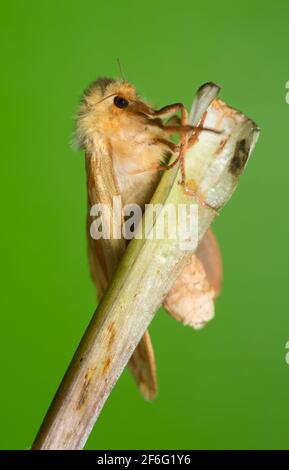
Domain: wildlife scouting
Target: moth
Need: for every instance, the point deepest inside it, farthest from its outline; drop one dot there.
(127, 145)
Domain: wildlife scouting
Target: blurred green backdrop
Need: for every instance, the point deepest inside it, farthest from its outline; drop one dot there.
(220, 388)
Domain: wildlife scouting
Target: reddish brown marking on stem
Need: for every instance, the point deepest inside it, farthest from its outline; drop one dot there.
(221, 146)
(84, 392)
(106, 365)
(111, 327)
(111, 331)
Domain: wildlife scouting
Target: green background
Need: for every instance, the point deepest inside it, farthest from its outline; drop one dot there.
(226, 386)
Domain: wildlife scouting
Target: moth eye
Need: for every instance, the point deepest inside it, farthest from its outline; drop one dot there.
(120, 102)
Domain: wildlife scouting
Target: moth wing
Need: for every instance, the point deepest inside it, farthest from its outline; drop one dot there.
(103, 256)
(191, 298)
(210, 256)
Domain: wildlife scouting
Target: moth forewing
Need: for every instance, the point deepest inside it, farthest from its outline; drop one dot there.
(101, 190)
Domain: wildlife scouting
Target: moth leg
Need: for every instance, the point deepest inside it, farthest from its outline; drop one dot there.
(196, 132)
(171, 127)
(184, 145)
(181, 147)
(173, 121)
(192, 190)
(186, 141)
(183, 141)
(168, 143)
(170, 109)
(188, 134)
(178, 124)
(183, 128)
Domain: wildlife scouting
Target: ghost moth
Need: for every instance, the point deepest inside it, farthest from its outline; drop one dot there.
(127, 145)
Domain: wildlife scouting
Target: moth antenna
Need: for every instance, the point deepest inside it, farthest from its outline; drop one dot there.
(105, 98)
(121, 70)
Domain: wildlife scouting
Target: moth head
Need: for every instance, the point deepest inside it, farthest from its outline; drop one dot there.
(106, 104)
